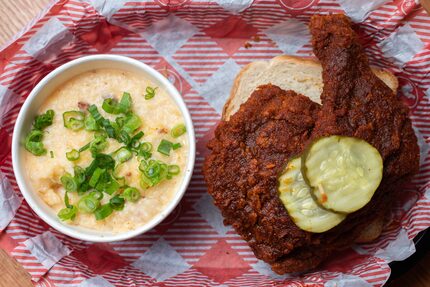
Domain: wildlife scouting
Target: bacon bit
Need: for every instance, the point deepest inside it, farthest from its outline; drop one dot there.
(162, 131)
(247, 45)
(256, 38)
(128, 174)
(270, 165)
(83, 105)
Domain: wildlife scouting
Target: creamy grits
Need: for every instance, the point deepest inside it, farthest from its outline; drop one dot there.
(158, 114)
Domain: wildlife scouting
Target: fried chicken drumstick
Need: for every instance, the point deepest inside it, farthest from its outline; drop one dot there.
(250, 150)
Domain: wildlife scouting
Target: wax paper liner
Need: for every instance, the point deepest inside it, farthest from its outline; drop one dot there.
(200, 47)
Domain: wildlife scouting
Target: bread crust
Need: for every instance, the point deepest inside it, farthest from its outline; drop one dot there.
(229, 108)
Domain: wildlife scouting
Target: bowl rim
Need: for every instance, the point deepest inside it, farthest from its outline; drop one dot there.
(17, 148)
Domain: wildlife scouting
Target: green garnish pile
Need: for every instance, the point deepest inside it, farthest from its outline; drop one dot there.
(33, 141)
(102, 175)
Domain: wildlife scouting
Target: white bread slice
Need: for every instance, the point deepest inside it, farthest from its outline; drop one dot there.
(289, 73)
(304, 77)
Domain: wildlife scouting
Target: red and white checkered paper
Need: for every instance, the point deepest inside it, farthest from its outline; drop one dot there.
(200, 46)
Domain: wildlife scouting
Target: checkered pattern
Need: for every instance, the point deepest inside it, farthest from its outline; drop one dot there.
(199, 47)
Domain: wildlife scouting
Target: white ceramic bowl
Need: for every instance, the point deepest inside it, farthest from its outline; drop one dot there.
(30, 109)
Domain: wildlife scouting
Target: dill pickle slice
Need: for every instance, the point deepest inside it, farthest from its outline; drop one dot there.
(296, 196)
(344, 172)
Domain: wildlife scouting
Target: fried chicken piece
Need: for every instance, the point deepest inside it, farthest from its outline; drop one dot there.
(251, 149)
(357, 103)
(248, 152)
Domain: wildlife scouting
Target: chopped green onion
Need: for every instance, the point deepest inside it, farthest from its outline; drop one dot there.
(88, 204)
(116, 171)
(35, 136)
(33, 143)
(36, 148)
(122, 155)
(44, 120)
(120, 121)
(132, 123)
(150, 93)
(121, 181)
(69, 183)
(125, 103)
(85, 147)
(164, 147)
(155, 171)
(175, 146)
(74, 120)
(146, 146)
(83, 187)
(131, 194)
(116, 128)
(173, 169)
(108, 128)
(101, 134)
(96, 176)
(101, 121)
(68, 213)
(73, 155)
(103, 211)
(124, 137)
(163, 172)
(90, 123)
(51, 153)
(134, 141)
(66, 200)
(146, 182)
(79, 174)
(98, 145)
(145, 154)
(145, 150)
(110, 106)
(96, 195)
(178, 130)
(152, 170)
(105, 161)
(150, 90)
(117, 202)
(111, 186)
(95, 114)
(107, 184)
(142, 166)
